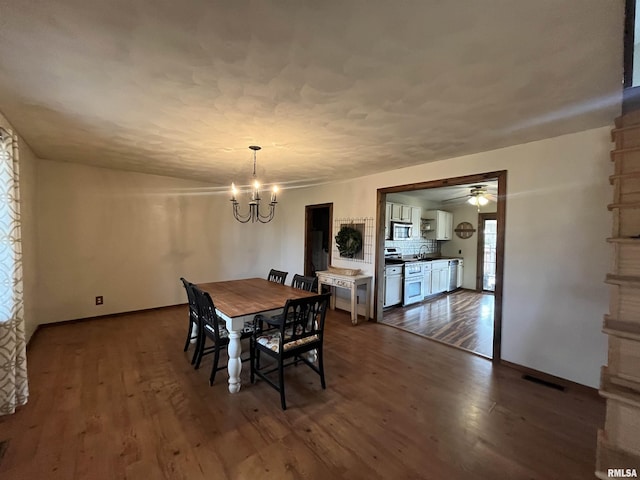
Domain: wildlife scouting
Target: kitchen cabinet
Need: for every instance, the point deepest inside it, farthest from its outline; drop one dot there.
(460, 273)
(397, 212)
(405, 213)
(439, 276)
(416, 213)
(441, 224)
(392, 285)
(426, 284)
(387, 222)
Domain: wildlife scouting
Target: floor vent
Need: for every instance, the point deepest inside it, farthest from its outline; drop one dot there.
(539, 381)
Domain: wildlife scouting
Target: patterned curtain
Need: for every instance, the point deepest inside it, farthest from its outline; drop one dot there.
(14, 389)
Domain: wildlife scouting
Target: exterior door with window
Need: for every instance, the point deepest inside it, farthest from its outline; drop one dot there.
(487, 250)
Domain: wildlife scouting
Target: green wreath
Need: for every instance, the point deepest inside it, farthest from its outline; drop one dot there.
(349, 241)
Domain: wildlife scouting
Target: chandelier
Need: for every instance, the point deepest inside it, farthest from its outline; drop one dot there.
(254, 214)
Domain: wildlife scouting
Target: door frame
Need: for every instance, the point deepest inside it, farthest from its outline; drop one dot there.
(307, 228)
(501, 177)
(480, 260)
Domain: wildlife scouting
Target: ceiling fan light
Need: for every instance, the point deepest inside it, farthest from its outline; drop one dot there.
(482, 200)
(473, 201)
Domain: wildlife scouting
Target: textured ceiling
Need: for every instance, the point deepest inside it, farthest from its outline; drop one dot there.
(329, 89)
(453, 195)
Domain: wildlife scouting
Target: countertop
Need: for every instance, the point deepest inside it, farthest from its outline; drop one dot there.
(411, 258)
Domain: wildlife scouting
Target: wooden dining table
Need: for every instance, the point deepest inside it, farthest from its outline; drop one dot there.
(237, 302)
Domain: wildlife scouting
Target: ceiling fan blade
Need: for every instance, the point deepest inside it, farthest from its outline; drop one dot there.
(455, 198)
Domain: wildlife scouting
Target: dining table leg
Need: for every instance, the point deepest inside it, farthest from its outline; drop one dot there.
(234, 366)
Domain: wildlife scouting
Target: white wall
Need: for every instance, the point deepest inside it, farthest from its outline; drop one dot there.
(129, 237)
(27, 165)
(556, 256)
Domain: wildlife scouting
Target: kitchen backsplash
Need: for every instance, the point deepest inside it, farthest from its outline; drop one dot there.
(412, 247)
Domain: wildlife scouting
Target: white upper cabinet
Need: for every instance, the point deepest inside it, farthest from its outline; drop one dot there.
(405, 215)
(416, 213)
(441, 223)
(387, 222)
(396, 212)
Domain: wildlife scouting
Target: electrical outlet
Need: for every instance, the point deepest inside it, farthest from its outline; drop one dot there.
(99, 300)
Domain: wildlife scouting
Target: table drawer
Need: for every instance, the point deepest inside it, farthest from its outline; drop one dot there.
(335, 281)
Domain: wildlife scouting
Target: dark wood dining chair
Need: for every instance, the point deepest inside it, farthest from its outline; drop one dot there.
(298, 332)
(277, 276)
(193, 329)
(310, 284)
(214, 329)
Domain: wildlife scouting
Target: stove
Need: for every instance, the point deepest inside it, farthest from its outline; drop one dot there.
(392, 256)
(413, 283)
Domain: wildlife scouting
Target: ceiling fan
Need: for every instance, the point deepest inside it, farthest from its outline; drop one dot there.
(478, 196)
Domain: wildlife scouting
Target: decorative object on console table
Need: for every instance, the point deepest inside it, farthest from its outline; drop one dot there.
(364, 225)
(344, 271)
(464, 230)
(350, 282)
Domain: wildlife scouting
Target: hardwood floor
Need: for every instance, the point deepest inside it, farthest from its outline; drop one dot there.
(116, 398)
(462, 318)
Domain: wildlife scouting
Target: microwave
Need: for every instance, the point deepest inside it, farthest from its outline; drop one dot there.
(401, 230)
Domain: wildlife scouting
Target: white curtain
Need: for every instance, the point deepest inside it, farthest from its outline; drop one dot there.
(14, 389)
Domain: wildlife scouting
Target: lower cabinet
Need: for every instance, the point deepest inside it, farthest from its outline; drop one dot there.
(460, 273)
(426, 283)
(439, 276)
(393, 286)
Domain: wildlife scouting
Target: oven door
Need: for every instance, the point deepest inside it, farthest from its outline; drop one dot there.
(413, 292)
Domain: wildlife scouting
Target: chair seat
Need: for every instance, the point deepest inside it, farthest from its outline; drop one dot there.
(272, 341)
(224, 333)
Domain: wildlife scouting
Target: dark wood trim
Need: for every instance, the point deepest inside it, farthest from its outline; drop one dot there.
(501, 177)
(630, 94)
(502, 220)
(378, 292)
(629, 33)
(547, 377)
(445, 182)
(102, 317)
(480, 251)
(307, 229)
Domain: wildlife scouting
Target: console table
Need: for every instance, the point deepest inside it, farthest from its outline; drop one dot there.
(350, 282)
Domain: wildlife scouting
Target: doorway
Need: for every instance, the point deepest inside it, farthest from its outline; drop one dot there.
(487, 252)
(490, 304)
(317, 238)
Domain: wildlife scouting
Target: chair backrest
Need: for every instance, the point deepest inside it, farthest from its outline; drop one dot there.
(303, 317)
(191, 298)
(207, 311)
(277, 276)
(310, 284)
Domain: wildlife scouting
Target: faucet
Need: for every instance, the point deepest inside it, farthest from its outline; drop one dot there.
(423, 255)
